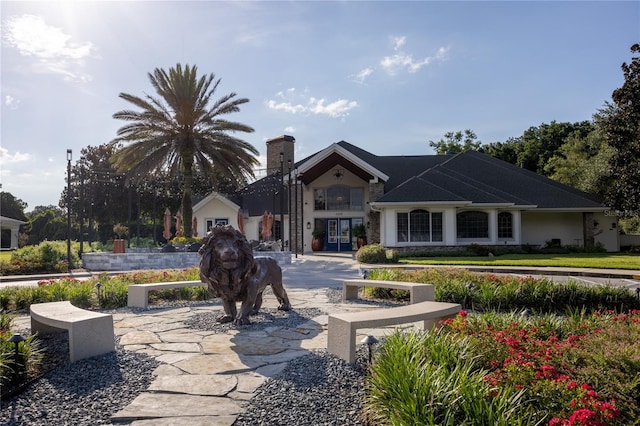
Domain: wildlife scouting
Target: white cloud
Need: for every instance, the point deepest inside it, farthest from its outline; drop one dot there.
(363, 75)
(286, 107)
(293, 103)
(400, 61)
(337, 109)
(398, 42)
(289, 129)
(18, 157)
(404, 61)
(50, 46)
(11, 102)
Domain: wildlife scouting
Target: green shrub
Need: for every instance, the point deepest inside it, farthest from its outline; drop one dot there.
(46, 257)
(478, 250)
(376, 253)
(113, 290)
(185, 240)
(487, 292)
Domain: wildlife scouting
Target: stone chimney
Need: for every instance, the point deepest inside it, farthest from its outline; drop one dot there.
(280, 144)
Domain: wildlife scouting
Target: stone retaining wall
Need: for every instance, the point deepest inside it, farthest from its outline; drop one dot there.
(179, 260)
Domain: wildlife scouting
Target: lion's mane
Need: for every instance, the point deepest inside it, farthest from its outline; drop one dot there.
(223, 281)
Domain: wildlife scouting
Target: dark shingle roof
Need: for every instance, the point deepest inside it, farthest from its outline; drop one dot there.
(466, 177)
(480, 178)
(260, 196)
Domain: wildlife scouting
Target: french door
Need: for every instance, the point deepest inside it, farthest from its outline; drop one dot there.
(339, 234)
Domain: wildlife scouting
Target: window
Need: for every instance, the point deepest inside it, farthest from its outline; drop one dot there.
(319, 199)
(402, 227)
(419, 226)
(338, 197)
(505, 225)
(213, 222)
(473, 224)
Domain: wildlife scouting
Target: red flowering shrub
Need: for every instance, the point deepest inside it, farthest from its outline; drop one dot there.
(555, 359)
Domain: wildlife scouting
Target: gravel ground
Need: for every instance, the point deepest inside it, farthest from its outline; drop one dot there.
(317, 389)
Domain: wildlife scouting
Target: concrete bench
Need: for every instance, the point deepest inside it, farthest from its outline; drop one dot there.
(90, 333)
(342, 327)
(419, 292)
(138, 295)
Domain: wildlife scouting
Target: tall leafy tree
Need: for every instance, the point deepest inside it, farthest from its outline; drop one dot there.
(539, 144)
(456, 142)
(622, 129)
(182, 130)
(12, 207)
(46, 223)
(581, 162)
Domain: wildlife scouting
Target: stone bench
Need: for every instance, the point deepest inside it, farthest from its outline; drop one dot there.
(419, 292)
(342, 327)
(138, 294)
(90, 333)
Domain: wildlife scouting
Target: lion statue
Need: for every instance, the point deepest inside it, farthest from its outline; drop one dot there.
(232, 273)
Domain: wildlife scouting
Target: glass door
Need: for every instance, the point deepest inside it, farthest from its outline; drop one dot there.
(332, 235)
(345, 235)
(339, 236)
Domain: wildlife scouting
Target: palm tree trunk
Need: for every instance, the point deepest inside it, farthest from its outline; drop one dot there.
(187, 208)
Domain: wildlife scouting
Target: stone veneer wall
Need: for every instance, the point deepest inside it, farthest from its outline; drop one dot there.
(137, 261)
(376, 190)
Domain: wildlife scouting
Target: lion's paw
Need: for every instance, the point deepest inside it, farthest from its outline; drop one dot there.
(284, 307)
(224, 319)
(242, 321)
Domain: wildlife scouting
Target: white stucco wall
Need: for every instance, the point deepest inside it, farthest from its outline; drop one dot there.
(215, 209)
(540, 227)
(610, 235)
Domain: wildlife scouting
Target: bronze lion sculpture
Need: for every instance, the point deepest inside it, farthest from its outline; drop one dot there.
(234, 275)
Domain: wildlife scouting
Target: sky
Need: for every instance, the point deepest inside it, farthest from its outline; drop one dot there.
(387, 76)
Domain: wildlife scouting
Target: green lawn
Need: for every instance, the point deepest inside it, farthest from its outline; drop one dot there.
(575, 260)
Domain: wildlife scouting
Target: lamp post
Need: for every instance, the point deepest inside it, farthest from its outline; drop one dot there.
(289, 203)
(295, 173)
(82, 209)
(69, 210)
(282, 201)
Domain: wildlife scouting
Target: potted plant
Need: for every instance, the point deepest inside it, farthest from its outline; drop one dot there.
(121, 231)
(360, 232)
(317, 242)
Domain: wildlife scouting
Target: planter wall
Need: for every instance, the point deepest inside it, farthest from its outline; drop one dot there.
(156, 260)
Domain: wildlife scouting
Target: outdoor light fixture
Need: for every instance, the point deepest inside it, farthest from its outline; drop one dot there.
(16, 339)
(369, 341)
(308, 225)
(98, 287)
(338, 174)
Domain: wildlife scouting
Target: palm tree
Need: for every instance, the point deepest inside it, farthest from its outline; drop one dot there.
(181, 132)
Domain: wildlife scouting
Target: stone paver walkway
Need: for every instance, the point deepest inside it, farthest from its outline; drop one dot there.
(208, 378)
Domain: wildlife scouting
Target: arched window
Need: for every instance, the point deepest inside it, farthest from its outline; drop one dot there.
(505, 225)
(473, 224)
